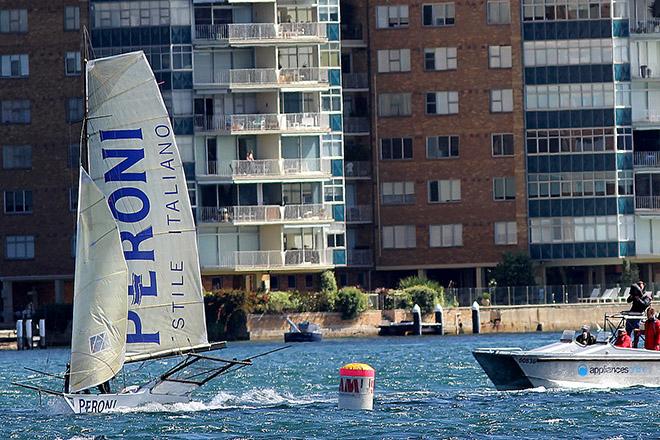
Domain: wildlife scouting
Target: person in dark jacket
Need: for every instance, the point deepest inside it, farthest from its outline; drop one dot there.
(585, 338)
(622, 339)
(640, 301)
(651, 331)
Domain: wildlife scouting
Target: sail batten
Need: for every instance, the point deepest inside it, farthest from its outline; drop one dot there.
(134, 160)
(100, 305)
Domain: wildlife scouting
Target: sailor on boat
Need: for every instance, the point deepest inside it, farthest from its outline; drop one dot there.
(622, 339)
(585, 338)
(651, 331)
(640, 302)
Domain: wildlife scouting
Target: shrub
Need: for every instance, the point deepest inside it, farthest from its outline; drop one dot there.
(424, 296)
(224, 311)
(351, 301)
(327, 297)
(283, 302)
(417, 281)
(398, 299)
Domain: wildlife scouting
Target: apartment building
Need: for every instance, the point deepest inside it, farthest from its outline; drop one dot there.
(41, 106)
(254, 91)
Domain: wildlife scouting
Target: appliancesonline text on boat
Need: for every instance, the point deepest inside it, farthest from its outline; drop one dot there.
(568, 364)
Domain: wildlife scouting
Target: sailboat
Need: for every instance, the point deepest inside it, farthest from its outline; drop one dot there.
(138, 294)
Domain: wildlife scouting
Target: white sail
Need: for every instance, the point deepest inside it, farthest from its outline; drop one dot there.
(100, 303)
(134, 160)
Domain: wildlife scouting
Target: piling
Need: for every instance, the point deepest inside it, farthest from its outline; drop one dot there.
(42, 333)
(356, 386)
(19, 335)
(476, 321)
(28, 334)
(417, 319)
(439, 318)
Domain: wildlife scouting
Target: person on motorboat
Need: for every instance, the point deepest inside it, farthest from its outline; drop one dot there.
(622, 339)
(585, 338)
(651, 331)
(640, 302)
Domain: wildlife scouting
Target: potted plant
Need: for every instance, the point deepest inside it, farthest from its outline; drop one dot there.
(485, 299)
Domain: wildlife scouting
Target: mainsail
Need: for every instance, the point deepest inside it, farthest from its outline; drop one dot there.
(134, 160)
(100, 303)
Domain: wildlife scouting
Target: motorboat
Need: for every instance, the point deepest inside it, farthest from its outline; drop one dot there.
(569, 364)
(303, 332)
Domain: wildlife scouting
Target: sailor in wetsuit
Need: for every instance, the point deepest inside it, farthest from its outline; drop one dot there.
(585, 338)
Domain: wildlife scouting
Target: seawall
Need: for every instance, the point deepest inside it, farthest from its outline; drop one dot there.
(507, 319)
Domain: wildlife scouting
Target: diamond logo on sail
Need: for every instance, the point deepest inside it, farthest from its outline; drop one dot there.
(98, 343)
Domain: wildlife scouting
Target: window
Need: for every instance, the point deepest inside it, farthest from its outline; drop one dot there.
(391, 16)
(394, 60)
(13, 21)
(74, 110)
(399, 237)
(18, 202)
(440, 58)
(73, 198)
(578, 184)
(438, 14)
(396, 148)
(499, 57)
(575, 141)
(16, 157)
(19, 247)
(441, 103)
(291, 282)
(502, 144)
(72, 63)
(501, 100)
(499, 12)
(540, 10)
(131, 14)
(504, 188)
(441, 147)
(506, 233)
(581, 229)
(572, 96)
(446, 235)
(333, 191)
(336, 240)
(442, 191)
(181, 57)
(394, 104)
(72, 18)
(74, 156)
(398, 193)
(14, 66)
(15, 111)
(568, 52)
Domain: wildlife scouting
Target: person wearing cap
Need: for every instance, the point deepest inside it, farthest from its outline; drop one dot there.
(585, 338)
(622, 339)
(651, 331)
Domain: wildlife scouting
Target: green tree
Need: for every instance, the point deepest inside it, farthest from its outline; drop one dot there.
(351, 301)
(629, 273)
(515, 269)
(328, 294)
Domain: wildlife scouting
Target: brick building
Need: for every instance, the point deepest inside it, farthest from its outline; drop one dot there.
(41, 109)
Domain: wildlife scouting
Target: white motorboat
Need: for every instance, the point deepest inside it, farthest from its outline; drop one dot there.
(568, 364)
(138, 293)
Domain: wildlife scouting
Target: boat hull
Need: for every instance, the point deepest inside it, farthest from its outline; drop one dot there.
(608, 367)
(102, 403)
(302, 337)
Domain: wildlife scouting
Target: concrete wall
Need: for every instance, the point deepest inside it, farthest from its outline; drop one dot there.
(493, 319)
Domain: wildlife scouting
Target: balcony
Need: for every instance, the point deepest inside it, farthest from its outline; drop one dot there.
(359, 214)
(263, 123)
(254, 34)
(266, 79)
(359, 257)
(272, 260)
(356, 126)
(358, 170)
(646, 118)
(647, 203)
(355, 81)
(268, 169)
(264, 214)
(352, 35)
(646, 159)
(646, 27)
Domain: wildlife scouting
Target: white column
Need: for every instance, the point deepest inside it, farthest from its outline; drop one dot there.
(421, 273)
(7, 302)
(479, 276)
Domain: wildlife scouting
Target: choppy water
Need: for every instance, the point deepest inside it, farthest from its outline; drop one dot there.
(428, 387)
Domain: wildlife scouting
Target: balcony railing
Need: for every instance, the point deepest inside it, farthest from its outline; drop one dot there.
(644, 72)
(266, 78)
(359, 214)
(245, 77)
(255, 32)
(302, 75)
(358, 169)
(359, 257)
(271, 259)
(647, 116)
(263, 214)
(646, 159)
(257, 123)
(355, 81)
(351, 31)
(648, 26)
(268, 168)
(356, 125)
(647, 202)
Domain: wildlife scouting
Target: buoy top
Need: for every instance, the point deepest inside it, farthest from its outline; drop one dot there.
(357, 369)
